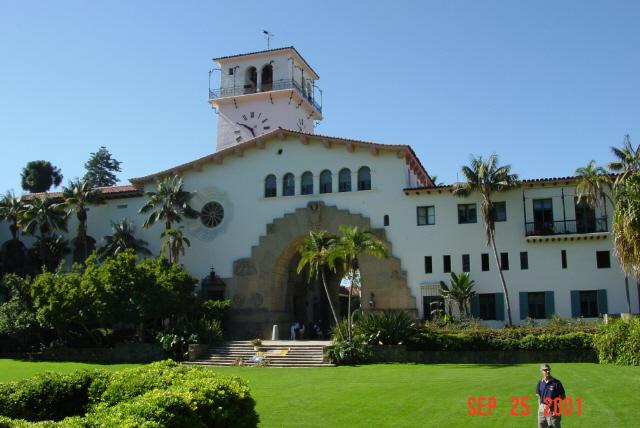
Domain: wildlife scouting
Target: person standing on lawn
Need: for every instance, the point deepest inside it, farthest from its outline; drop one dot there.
(550, 388)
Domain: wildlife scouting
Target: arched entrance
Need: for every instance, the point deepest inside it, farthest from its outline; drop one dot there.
(250, 80)
(260, 289)
(267, 78)
(307, 303)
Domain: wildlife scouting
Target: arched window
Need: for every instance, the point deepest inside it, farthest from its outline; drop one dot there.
(266, 78)
(250, 80)
(325, 182)
(306, 184)
(344, 180)
(364, 178)
(270, 186)
(288, 185)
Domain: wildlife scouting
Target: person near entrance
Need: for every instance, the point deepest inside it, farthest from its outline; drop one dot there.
(550, 388)
(295, 327)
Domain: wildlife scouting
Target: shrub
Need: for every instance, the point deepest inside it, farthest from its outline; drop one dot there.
(347, 353)
(49, 396)
(386, 328)
(618, 342)
(162, 394)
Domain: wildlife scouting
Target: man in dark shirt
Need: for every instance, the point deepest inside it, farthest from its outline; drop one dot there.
(549, 388)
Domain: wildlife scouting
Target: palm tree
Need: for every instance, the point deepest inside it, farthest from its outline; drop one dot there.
(461, 291)
(625, 206)
(77, 195)
(174, 244)
(41, 218)
(592, 181)
(351, 243)
(122, 238)
(487, 178)
(169, 203)
(626, 228)
(11, 208)
(314, 254)
(628, 158)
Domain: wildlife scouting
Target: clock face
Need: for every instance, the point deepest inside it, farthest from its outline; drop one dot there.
(250, 125)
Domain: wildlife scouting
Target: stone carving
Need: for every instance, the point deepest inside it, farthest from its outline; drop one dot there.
(256, 300)
(244, 267)
(314, 213)
(238, 301)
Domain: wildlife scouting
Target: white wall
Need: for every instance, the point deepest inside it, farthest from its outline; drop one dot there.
(238, 184)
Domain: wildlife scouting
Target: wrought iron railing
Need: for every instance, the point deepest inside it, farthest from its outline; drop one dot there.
(266, 87)
(563, 227)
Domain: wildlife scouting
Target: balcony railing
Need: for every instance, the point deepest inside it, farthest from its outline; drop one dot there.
(266, 87)
(563, 227)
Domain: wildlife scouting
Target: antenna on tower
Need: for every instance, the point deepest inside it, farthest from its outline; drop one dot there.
(268, 36)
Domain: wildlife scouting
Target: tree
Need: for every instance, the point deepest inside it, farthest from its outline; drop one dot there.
(11, 208)
(77, 195)
(41, 218)
(487, 178)
(626, 203)
(174, 244)
(351, 243)
(38, 176)
(461, 291)
(628, 158)
(101, 168)
(122, 238)
(168, 204)
(314, 252)
(592, 181)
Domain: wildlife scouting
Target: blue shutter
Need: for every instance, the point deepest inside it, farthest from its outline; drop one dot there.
(549, 306)
(602, 302)
(575, 304)
(499, 306)
(475, 306)
(524, 305)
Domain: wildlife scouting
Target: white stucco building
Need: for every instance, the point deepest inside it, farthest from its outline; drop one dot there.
(271, 179)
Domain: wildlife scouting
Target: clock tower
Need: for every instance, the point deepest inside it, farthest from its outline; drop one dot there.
(261, 91)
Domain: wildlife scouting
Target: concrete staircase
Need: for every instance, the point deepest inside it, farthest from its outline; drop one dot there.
(299, 354)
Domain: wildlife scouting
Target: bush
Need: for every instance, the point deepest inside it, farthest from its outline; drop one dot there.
(386, 328)
(162, 394)
(49, 396)
(346, 353)
(618, 342)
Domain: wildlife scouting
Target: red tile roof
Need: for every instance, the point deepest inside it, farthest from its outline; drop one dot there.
(113, 192)
(402, 150)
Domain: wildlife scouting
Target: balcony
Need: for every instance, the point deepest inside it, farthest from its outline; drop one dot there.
(565, 227)
(266, 87)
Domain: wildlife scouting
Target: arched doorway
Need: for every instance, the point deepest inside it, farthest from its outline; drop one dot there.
(307, 302)
(250, 80)
(266, 78)
(261, 290)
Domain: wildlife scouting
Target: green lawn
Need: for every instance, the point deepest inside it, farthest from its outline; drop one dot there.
(15, 369)
(398, 395)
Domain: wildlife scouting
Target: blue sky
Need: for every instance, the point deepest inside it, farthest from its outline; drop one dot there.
(547, 85)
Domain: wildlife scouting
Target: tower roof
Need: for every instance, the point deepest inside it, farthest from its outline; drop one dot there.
(291, 49)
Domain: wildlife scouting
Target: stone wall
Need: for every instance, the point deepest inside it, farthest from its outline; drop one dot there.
(122, 353)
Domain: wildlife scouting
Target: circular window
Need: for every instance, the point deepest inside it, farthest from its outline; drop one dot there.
(212, 214)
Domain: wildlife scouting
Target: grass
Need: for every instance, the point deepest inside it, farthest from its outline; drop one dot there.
(17, 369)
(404, 395)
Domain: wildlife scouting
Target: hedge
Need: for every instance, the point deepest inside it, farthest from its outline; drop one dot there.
(158, 395)
(486, 340)
(618, 342)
